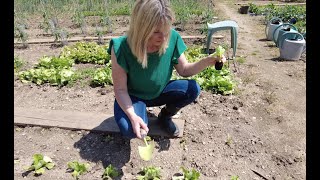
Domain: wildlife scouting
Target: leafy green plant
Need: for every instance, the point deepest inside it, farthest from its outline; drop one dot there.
(219, 51)
(120, 9)
(21, 34)
(192, 11)
(46, 24)
(53, 70)
(253, 8)
(40, 163)
(102, 77)
(86, 52)
(210, 79)
(187, 175)
(286, 13)
(229, 140)
(149, 173)
(83, 77)
(109, 173)
(60, 35)
(99, 32)
(78, 18)
(55, 62)
(78, 168)
(234, 177)
(18, 64)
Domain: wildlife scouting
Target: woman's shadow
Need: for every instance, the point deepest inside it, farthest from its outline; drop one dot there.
(111, 148)
(106, 148)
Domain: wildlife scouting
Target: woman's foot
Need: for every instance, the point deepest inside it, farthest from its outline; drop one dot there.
(165, 121)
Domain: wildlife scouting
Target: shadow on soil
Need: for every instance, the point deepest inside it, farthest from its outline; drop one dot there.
(111, 148)
(105, 148)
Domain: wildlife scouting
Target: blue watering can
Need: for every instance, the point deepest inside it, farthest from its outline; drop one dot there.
(291, 45)
(280, 30)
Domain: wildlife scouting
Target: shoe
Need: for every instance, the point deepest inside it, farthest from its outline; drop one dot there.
(165, 121)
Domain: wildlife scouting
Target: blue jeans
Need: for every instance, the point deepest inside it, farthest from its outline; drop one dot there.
(177, 93)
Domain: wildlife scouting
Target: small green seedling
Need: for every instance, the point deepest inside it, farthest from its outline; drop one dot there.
(229, 140)
(219, 52)
(234, 177)
(188, 175)
(150, 173)
(109, 173)
(78, 168)
(108, 138)
(183, 144)
(40, 163)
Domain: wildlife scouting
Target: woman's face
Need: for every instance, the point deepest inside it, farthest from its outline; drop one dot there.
(158, 36)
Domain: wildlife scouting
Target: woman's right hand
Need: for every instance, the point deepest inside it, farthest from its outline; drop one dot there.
(138, 124)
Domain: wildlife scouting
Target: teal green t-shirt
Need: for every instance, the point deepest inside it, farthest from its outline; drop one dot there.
(148, 83)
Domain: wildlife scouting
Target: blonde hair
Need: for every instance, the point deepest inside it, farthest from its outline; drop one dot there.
(145, 17)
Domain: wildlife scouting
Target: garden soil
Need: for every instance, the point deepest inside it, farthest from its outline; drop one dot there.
(257, 133)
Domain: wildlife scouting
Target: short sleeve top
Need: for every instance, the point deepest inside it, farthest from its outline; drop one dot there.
(148, 83)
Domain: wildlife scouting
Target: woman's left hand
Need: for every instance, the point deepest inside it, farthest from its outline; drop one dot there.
(214, 59)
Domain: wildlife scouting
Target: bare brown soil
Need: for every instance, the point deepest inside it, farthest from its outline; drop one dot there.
(265, 120)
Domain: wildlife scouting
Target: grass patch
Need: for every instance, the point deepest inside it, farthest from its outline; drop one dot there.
(240, 59)
(18, 64)
(83, 77)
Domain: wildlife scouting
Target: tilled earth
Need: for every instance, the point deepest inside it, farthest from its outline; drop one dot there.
(257, 133)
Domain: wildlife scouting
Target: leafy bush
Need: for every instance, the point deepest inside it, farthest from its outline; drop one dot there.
(86, 52)
(102, 76)
(53, 70)
(18, 64)
(217, 81)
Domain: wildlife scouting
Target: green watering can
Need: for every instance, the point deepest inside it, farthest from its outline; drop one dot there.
(291, 45)
(284, 28)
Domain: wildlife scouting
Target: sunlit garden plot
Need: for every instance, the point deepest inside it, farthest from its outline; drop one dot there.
(245, 124)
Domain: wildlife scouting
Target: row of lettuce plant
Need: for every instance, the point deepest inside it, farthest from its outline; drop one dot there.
(60, 70)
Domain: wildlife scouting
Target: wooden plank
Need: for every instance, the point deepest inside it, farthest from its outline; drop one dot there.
(80, 121)
(76, 39)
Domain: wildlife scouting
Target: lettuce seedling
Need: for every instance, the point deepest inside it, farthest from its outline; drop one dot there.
(150, 173)
(234, 177)
(219, 52)
(78, 168)
(109, 173)
(40, 163)
(188, 175)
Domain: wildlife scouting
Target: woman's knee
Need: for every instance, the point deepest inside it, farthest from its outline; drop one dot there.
(123, 121)
(193, 89)
(125, 127)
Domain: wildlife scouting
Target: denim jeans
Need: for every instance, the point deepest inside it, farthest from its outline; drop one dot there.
(177, 93)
